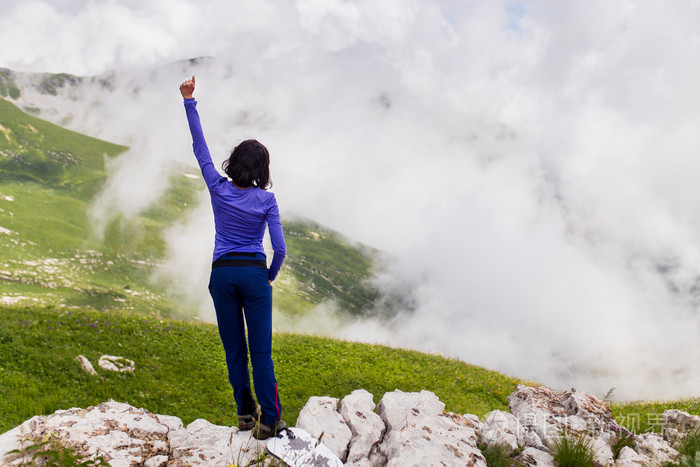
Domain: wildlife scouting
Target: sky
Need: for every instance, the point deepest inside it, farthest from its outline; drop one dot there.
(530, 165)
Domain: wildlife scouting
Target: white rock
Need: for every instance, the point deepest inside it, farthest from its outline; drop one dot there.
(396, 407)
(120, 433)
(173, 423)
(86, 365)
(585, 405)
(653, 446)
(127, 436)
(418, 433)
(602, 453)
(502, 428)
(629, 458)
(320, 417)
(473, 419)
(681, 421)
(118, 364)
(537, 409)
(204, 443)
(156, 461)
(357, 409)
(536, 457)
(12, 440)
(543, 411)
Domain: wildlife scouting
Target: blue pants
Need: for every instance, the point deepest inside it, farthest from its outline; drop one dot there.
(239, 291)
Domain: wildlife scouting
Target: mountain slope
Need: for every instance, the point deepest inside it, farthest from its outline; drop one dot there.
(49, 176)
(181, 368)
(51, 253)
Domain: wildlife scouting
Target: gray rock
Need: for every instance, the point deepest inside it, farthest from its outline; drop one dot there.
(86, 365)
(156, 461)
(357, 409)
(630, 458)
(536, 457)
(418, 433)
(503, 428)
(124, 435)
(13, 439)
(655, 448)
(602, 453)
(543, 411)
(118, 364)
(173, 423)
(204, 443)
(320, 417)
(120, 433)
(681, 421)
(396, 407)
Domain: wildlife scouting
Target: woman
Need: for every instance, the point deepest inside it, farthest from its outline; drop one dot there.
(240, 283)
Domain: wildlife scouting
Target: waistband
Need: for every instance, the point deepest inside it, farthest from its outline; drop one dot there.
(235, 258)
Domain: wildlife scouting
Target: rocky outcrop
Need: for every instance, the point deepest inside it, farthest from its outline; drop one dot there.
(404, 429)
(124, 436)
(548, 414)
(419, 433)
(503, 428)
(682, 421)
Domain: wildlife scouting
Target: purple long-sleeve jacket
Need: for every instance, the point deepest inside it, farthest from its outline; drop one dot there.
(240, 215)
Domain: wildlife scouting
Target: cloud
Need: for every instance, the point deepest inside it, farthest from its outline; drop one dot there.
(531, 164)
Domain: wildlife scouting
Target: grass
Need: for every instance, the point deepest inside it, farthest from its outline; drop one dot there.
(573, 452)
(499, 455)
(689, 450)
(180, 368)
(690, 444)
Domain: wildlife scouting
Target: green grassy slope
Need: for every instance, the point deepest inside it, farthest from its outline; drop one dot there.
(180, 368)
(35, 150)
(322, 265)
(48, 177)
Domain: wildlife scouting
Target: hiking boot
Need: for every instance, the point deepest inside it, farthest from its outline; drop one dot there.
(247, 422)
(263, 431)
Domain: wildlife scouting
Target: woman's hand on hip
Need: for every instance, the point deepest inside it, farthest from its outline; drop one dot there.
(187, 88)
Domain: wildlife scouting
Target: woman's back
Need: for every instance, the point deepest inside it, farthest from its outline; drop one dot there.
(240, 217)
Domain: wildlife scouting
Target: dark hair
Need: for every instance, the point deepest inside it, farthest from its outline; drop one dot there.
(249, 165)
